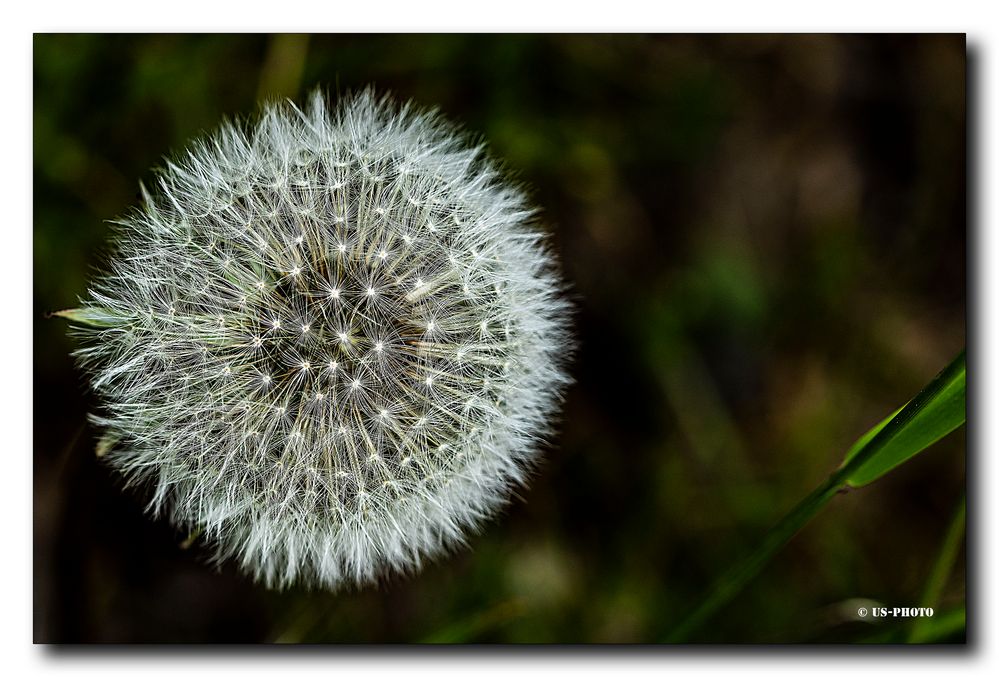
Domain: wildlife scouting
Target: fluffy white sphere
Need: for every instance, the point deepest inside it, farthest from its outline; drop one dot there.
(331, 340)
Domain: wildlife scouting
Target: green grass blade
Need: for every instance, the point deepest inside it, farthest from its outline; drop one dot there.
(936, 411)
(926, 418)
(945, 626)
(470, 629)
(922, 628)
(735, 579)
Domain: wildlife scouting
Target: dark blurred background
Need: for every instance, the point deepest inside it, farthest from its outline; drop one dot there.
(765, 237)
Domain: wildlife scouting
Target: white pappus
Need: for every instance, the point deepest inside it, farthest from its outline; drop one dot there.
(329, 339)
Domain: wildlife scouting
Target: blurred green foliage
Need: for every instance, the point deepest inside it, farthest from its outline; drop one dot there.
(765, 236)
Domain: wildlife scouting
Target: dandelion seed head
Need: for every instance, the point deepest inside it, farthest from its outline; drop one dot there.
(275, 305)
